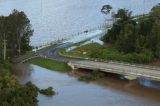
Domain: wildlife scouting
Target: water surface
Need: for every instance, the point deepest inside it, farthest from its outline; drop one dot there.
(107, 91)
(57, 19)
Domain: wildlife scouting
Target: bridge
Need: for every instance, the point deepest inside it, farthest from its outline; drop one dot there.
(129, 71)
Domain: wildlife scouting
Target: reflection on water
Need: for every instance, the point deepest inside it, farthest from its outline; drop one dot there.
(107, 91)
(149, 83)
(23, 71)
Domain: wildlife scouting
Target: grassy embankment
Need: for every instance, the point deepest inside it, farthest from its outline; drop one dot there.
(50, 64)
(106, 52)
(63, 52)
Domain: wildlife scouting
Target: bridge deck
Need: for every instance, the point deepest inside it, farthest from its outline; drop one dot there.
(124, 69)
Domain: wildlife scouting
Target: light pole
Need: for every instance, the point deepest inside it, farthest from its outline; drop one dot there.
(144, 1)
(4, 48)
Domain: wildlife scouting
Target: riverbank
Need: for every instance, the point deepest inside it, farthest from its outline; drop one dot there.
(109, 89)
(50, 64)
(11, 89)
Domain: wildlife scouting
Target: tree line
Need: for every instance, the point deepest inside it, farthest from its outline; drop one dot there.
(137, 35)
(15, 33)
(16, 30)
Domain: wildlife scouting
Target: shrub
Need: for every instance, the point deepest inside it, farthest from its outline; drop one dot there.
(92, 76)
(49, 91)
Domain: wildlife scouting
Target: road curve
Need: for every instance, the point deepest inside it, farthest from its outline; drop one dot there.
(52, 53)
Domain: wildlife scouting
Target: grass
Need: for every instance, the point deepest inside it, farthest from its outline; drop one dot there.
(63, 50)
(91, 50)
(106, 52)
(50, 64)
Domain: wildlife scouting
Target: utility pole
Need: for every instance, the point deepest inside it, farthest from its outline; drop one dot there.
(4, 49)
(144, 8)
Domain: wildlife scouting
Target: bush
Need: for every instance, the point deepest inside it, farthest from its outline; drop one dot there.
(14, 94)
(6, 65)
(92, 76)
(144, 57)
(49, 91)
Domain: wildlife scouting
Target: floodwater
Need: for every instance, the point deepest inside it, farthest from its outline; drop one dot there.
(108, 91)
(57, 19)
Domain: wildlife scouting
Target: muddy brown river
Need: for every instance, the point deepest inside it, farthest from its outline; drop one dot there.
(112, 90)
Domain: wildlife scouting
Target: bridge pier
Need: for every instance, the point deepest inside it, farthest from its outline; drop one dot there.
(72, 66)
(130, 77)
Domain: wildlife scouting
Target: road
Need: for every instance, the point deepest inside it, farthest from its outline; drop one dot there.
(132, 71)
(129, 70)
(52, 53)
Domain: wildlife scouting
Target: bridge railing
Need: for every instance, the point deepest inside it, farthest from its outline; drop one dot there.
(126, 64)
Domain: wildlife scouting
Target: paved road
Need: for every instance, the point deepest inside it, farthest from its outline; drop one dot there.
(52, 53)
(132, 71)
(113, 67)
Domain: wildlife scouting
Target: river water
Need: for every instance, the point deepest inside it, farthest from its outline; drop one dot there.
(57, 19)
(108, 91)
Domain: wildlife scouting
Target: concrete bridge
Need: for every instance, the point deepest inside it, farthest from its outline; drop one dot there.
(129, 71)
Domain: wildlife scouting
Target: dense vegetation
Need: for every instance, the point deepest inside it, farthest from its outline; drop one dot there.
(50, 64)
(134, 39)
(48, 91)
(136, 35)
(16, 30)
(92, 76)
(105, 52)
(12, 92)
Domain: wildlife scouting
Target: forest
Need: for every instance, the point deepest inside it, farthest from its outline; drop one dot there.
(139, 36)
(15, 33)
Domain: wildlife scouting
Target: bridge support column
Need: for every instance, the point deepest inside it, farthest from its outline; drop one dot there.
(130, 77)
(72, 66)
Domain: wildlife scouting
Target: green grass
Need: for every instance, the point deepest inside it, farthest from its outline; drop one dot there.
(107, 52)
(50, 64)
(75, 44)
(90, 49)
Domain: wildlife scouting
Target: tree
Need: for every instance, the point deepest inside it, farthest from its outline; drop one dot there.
(123, 14)
(123, 17)
(154, 14)
(22, 30)
(139, 36)
(140, 43)
(16, 29)
(153, 38)
(126, 39)
(3, 37)
(106, 9)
